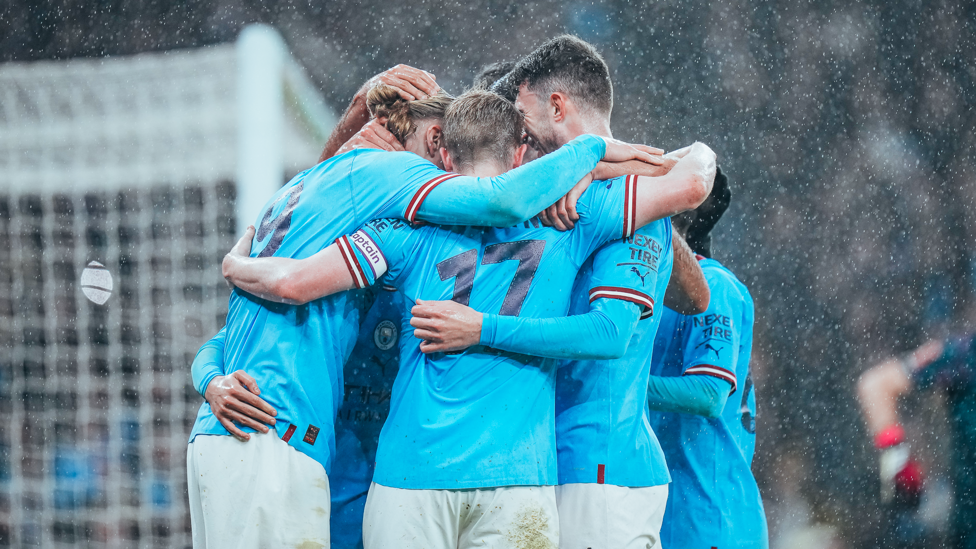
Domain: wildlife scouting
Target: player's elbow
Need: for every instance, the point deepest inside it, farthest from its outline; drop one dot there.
(288, 290)
(697, 186)
(872, 384)
(714, 406)
(614, 347)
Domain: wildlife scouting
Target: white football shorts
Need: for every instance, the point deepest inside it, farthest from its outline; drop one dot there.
(498, 518)
(255, 494)
(606, 516)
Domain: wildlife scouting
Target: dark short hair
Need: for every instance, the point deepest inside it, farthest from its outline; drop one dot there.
(564, 64)
(490, 74)
(480, 125)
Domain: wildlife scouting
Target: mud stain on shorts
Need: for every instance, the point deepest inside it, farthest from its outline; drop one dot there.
(310, 544)
(530, 529)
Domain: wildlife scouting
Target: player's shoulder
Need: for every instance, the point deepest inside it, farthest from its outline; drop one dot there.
(599, 189)
(659, 230)
(721, 279)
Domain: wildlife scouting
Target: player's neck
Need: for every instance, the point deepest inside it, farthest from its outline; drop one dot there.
(483, 169)
(594, 127)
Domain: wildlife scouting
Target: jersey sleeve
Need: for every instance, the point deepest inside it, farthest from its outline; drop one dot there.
(606, 213)
(376, 250)
(600, 334)
(209, 362)
(509, 198)
(628, 269)
(712, 344)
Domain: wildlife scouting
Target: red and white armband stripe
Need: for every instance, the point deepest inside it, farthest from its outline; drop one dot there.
(367, 272)
(625, 294)
(630, 205)
(714, 371)
(418, 198)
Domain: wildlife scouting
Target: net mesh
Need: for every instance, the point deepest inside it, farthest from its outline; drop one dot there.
(134, 163)
(97, 397)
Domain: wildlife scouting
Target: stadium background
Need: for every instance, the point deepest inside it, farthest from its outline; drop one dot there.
(845, 127)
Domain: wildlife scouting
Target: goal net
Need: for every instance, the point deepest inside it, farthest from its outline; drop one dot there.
(123, 181)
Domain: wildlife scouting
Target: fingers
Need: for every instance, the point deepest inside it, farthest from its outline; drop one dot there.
(229, 425)
(407, 90)
(256, 419)
(428, 347)
(247, 381)
(243, 246)
(420, 79)
(644, 156)
(385, 136)
(242, 419)
(545, 216)
(570, 206)
(648, 149)
(562, 220)
(427, 336)
(412, 83)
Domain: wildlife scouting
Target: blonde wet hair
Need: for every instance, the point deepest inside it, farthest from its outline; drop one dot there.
(401, 115)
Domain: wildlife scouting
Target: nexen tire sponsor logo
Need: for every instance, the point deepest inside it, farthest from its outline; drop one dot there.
(371, 252)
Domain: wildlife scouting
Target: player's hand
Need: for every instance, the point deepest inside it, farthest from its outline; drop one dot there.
(234, 400)
(618, 151)
(445, 326)
(373, 135)
(697, 162)
(610, 170)
(902, 479)
(240, 250)
(562, 215)
(412, 83)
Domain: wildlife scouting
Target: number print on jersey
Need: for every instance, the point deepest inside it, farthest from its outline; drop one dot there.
(278, 227)
(528, 253)
(748, 418)
(462, 268)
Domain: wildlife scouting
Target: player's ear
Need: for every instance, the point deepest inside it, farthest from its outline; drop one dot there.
(434, 140)
(446, 158)
(519, 154)
(558, 104)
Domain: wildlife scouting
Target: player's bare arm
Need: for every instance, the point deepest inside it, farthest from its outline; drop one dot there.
(286, 280)
(879, 388)
(563, 216)
(410, 82)
(235, 400)
(688, 291)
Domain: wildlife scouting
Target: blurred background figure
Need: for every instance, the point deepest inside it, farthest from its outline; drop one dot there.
(848, 126)
(949, 367)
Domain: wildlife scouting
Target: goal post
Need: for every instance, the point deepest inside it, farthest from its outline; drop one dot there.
(125, 180)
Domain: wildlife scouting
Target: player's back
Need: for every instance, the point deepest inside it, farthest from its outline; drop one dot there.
(481, 418)
(296, 353)
(368, 379)
(601, 428)
(710, 458)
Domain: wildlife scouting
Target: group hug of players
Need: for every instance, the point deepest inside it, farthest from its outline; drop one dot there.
(416, 357)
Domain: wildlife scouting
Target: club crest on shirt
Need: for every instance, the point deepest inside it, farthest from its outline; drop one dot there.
(385, 335)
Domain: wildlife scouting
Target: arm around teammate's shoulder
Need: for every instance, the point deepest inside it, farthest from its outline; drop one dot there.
(683, 188)
(286, 280)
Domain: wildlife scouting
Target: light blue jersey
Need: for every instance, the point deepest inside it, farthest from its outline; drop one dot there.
(713, 500)
(296, 353)
(481, 418)
(602, 431)
(368, 375)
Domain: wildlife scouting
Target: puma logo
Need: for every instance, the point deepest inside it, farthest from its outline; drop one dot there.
(637, 272)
